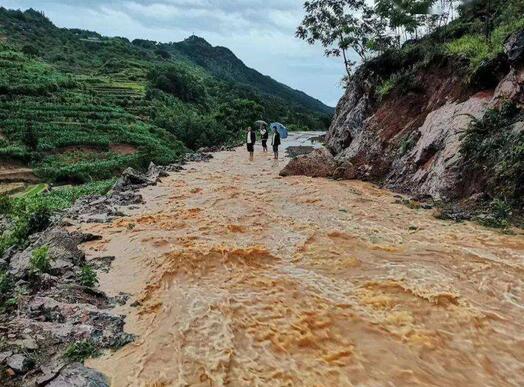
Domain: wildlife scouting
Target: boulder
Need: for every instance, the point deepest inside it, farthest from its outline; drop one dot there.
(514, 47)
(63, 251)
(77, 375)
(19, 363)
(295, 151)
(319, 163)
(131, 179)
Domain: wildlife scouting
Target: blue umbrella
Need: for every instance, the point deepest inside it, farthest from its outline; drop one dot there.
(282, 130)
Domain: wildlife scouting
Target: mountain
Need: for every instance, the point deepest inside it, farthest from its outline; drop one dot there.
(77, 106)
(222, 63)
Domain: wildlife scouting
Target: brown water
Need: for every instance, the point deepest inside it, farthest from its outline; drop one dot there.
(246, 278)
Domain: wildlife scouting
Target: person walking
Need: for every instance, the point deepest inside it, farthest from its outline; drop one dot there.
(264, 134)
(251, 138)
(275, 141)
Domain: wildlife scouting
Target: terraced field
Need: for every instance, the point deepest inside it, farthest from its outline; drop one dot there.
(69, 128)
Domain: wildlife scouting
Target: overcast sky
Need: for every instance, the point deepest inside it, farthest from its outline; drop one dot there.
(260, 32)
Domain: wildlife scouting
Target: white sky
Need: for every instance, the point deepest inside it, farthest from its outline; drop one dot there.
(259, 32)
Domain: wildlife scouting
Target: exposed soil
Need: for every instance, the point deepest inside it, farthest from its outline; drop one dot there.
(12, 172)
(121, 149)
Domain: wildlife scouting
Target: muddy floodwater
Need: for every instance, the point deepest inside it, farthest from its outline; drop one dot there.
(240, 277)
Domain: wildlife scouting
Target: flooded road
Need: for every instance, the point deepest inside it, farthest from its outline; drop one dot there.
(240, 277)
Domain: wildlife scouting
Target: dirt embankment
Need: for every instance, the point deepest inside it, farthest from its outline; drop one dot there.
(409, 138)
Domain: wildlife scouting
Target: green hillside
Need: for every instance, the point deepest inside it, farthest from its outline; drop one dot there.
(76, 106)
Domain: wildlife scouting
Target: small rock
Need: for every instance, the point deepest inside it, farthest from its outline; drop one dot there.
(514, 46)
(19, 363)
(4, 356)
(27, 343)
(77, 375)
(49, 371)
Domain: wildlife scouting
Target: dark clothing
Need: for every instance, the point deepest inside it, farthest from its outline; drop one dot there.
(276, 139)
(264, 143)
(265, 135)
(251, 144)
(275, 148)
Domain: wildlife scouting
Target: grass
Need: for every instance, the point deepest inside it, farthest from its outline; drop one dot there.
(30, 213)
(80, 351)
(40, 262)
(477, 49)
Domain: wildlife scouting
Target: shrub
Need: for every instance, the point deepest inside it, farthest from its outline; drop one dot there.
(5, 283)
(403, 80)
(80, 351)
(5, 204)
(180, 82)
(88, 277)
(30, 138)
(498, 215)
(492, 150)
(385, 88)
(40, 262)
(30, 50)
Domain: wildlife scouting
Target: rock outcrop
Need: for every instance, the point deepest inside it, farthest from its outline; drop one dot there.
(319, 163)
(410, 139)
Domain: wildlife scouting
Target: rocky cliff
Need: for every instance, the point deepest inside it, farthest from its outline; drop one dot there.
(409, 135)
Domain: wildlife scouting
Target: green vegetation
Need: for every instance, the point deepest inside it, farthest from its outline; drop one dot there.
(31, 212)
(40, 262)
(78, 107)
(493, 150)
(80, 351)
(479, 49)
(498, 214)
(88, 276)
(409, 34)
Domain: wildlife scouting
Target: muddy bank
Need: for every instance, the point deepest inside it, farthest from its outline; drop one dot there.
(52, 315)
(238, 276)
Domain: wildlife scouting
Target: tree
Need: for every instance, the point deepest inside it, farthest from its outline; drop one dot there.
(341, 25)
(238, 114)
(404, 16)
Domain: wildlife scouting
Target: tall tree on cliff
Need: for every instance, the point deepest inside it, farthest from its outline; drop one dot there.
(404, 17)
(341, 25)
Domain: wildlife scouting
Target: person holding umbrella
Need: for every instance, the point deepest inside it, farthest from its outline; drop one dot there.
(250, 141)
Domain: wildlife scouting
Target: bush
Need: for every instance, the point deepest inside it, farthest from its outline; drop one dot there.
(498, 215)
(5, 283)
(180, 82)
(80, 351)
(493, 151)
(30, 50)
(32, 213)
(403, 80)
(5, 204)
(40, 262)
(88, 277)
